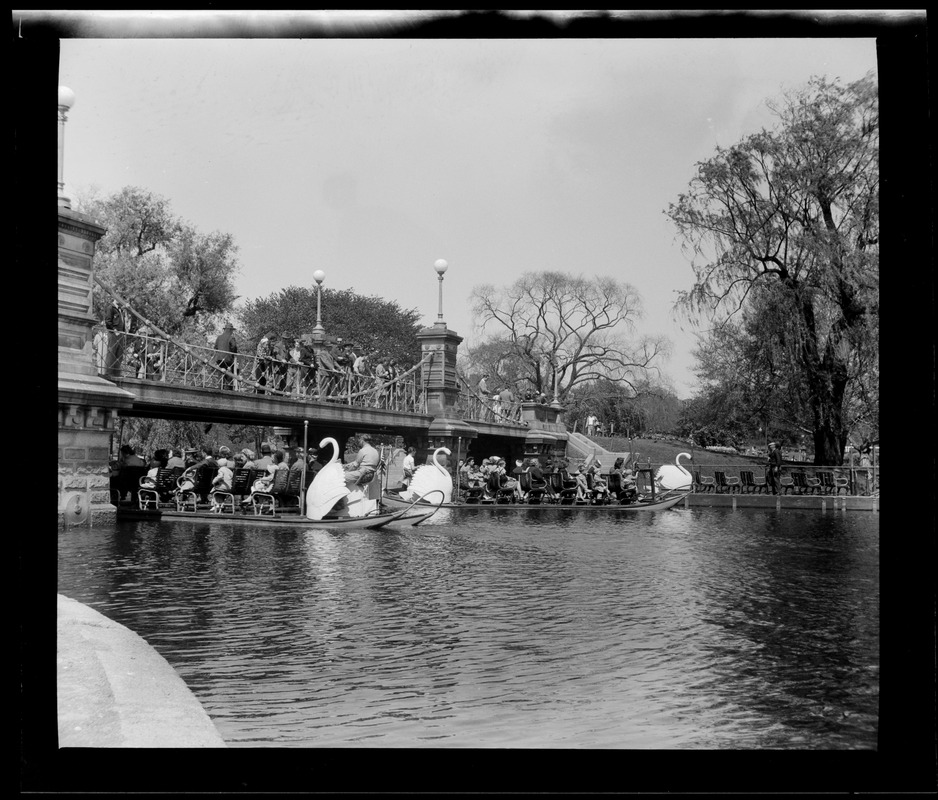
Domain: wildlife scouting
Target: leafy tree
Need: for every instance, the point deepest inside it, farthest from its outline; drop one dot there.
(166, 269)
(556, 329)
(787, 222)
(375, 325)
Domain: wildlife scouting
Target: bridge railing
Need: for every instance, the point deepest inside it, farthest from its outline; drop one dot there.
(154, 358)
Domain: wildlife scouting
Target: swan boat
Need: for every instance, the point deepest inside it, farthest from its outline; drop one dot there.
(670, 484)
(659, 502)
(331, 504)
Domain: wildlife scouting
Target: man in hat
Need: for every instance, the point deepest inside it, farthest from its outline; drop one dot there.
(773, 468)
(266, 460)
(225, 348)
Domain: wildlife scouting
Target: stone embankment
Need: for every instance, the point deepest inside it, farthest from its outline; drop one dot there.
(114, 690)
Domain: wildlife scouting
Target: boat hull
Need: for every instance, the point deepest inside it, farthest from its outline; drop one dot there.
(659, 504)
(394, 519)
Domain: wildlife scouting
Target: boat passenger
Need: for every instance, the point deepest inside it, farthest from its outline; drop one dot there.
(248, 459)
(176, 460)
(514, 482)
(538, 478)
(629, 489)
(600, 487)
(408, 466)
(582, 484)
(266, 459)
(221, 483)
(362, 470)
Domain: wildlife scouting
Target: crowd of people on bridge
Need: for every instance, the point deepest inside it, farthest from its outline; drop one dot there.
(282, 363)
(505, 400)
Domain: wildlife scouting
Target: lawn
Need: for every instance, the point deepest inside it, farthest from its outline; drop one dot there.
(664, 451)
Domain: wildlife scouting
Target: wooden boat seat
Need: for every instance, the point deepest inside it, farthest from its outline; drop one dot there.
(703, 483)
(724, 483)
(285, 488)
(564, 488)
(750, 484)
(532, 492)
(128, 482)
(803, 484)
(841, 483)
(148, 498)
(201, 478)
(473, 494)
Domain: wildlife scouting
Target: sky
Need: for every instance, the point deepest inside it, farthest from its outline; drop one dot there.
(372, 158)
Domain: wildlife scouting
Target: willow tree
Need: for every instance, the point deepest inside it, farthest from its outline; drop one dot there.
(792, 215)
(563, 331)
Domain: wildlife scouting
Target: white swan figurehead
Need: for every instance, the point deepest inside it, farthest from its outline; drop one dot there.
(328, 487)
(670, 477)
(431, 477)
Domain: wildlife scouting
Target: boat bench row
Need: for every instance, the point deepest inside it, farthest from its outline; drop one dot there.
(172, 489)
(558, 488)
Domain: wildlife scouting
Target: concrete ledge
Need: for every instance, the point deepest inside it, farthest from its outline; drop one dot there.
(114, 690)
(780, 501)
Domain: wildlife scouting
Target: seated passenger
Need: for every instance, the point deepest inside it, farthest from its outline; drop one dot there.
(629, 489)
(221, 483)
(600, 487)
(582, 484)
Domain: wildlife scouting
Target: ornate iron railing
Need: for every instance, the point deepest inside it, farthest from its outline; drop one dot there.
(164, 360)
(470, 405)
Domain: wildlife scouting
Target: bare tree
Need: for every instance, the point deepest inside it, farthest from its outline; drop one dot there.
(563, 331)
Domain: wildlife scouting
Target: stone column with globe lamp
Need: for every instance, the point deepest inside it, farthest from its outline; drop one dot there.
(438, 345)
(88, 405)
(317, 339)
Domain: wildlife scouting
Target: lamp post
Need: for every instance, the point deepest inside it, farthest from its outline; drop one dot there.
(319, 276)
(66, 101)
(440, 266)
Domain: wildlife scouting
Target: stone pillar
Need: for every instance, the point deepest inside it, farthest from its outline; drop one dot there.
(87, 404)
(439, 380)
(547, 435)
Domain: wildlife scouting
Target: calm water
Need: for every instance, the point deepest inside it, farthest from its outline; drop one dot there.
(691, 628)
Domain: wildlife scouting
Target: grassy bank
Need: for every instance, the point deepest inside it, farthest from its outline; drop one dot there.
(664, 451)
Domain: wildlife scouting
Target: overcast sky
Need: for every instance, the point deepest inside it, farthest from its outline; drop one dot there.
(372, 158)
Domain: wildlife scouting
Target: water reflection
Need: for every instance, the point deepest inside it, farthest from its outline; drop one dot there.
(686, 629)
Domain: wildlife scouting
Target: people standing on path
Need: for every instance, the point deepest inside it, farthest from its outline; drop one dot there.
(591, 422)
(773, 468)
